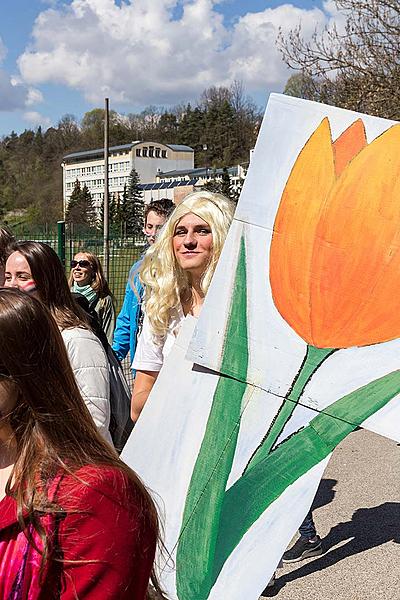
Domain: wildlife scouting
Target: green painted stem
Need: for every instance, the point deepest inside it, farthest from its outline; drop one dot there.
(313, 359)
(255, 491)
(204, 500)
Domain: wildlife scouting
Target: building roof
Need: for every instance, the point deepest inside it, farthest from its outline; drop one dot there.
(197, 172)
(164, 185)
(100, 151)
(179, 147)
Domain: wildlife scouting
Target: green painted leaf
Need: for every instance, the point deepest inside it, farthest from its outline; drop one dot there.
(313, 359)
(255, 491)
(198, 536)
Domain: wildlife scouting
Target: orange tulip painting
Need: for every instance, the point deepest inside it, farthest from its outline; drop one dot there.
(335, 251)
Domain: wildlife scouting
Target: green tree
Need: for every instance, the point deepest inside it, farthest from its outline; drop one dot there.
(132, 205)
(114, 215)
(213, 184)
(301, 85)
(167, 128)
(68, 130)
(226, 187)
(80, 210)
(223, 185)
(191, 131)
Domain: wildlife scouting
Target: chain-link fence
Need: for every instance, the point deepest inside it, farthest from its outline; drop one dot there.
(123, 252)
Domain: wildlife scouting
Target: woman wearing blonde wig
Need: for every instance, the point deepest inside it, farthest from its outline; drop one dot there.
(177, 271)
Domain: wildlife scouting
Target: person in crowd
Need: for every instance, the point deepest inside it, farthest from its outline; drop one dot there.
(129, 319)
(309, 544)
(177, 271)
(75, 521)
(87, 278)
(34, 268)
(6, 237)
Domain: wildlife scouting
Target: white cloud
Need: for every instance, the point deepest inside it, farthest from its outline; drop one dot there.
(12, 97)
(33, 97)
(3, 50)
(137, 53)
(35, 119)
(14, 93)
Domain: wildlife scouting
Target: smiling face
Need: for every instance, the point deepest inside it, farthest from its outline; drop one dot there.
(83, 272)
(193, 244)
(18, 274)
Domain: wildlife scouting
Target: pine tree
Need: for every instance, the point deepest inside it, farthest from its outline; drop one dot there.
(80, 210)
(237, 190)
(132, 205)
(213, 184)
(226, 187)
(222, 185)
(113, 214)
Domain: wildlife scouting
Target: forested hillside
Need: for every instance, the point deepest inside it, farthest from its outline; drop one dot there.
(221, 127)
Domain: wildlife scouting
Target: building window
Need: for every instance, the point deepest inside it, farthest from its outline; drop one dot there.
(151, 151)
(157, 152)
(138, 151)
(163, 154)
(144, 151)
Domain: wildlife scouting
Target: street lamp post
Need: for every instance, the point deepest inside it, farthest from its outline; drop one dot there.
(205, 148)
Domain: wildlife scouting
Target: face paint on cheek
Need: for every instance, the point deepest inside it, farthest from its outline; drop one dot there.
(28, 286)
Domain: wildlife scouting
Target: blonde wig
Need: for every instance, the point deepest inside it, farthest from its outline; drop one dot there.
(166, 282)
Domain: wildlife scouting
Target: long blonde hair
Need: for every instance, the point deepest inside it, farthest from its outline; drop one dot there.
(166, 282)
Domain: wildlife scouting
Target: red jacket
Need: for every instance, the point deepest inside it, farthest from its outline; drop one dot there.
(101, 522)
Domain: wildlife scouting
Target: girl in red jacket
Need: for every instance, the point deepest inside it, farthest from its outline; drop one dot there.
(75, 522)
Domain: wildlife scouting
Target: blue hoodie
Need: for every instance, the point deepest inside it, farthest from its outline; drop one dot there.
(126, 329)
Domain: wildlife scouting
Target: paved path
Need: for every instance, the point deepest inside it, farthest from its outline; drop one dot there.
(357, 512)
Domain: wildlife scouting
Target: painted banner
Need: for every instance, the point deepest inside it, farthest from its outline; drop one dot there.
(296, 346)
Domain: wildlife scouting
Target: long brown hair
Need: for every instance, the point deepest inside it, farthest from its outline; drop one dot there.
(6, 238)
(53, 430)
(99, 283)
(51, 283)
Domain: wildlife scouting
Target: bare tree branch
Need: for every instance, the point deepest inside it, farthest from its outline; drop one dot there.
(357, 67)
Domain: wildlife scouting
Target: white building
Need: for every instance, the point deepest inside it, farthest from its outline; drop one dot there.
(148, 159)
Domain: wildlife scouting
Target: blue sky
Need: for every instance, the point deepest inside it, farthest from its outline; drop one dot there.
(59, 57)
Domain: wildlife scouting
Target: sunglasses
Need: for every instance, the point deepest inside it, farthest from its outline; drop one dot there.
(84, 264)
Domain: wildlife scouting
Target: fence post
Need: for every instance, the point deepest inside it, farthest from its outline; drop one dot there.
(61, 241)
(106, 225)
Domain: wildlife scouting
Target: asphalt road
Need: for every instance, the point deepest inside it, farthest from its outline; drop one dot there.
(357, 513)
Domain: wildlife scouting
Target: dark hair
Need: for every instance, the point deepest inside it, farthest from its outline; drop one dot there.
(6, 238)
(99, 283)
(51, 283)
(52, 428)
(162, 207)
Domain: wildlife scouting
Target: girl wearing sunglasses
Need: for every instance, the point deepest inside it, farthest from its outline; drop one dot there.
(34, 268)
(75, 521)
(87, 278)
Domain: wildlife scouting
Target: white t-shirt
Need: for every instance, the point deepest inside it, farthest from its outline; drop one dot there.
(151, 351)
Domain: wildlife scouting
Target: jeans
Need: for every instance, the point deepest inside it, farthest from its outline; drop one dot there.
(307, 528)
